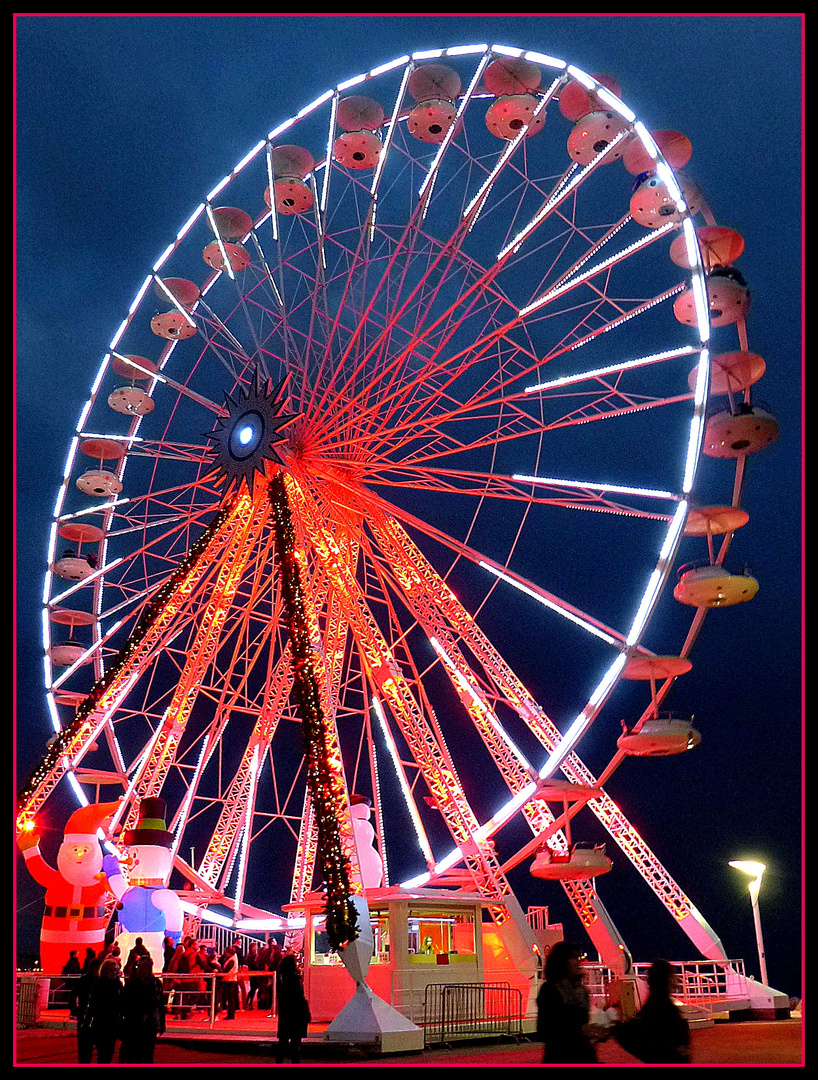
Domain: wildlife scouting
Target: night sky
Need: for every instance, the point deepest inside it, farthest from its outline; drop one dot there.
(123, 125)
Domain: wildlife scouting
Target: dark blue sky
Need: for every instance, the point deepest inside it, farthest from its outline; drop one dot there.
(124, 123)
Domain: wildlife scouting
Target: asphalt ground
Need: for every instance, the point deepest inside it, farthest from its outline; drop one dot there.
(752, 1043)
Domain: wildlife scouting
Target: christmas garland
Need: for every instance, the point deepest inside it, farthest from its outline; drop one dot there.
(151, 611)
(326, 788)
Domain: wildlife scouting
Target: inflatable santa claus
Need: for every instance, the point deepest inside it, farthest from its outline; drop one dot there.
(75, 916)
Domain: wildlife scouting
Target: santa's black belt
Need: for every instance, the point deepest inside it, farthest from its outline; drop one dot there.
(75, 912)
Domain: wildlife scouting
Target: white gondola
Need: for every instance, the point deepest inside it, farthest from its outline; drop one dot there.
(73, 566)
(290, 166)
(574, 865)
(574, 862)
(593, 133)
(514, 82)
(659, 737)
(173, 324)
(130, 401)
(713, 586)
(435, 88)
(745, 431)
(68, 652)
(359, 147)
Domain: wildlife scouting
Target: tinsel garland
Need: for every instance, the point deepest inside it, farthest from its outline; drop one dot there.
(326, 788)
(152, 610)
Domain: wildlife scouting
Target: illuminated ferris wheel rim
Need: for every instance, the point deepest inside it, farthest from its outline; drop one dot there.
(629, 641)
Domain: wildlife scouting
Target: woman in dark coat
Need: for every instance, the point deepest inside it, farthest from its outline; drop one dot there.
(293, 1010)
(143, 1014)
(104, 1016)
(563, 1009)
(82, 1011)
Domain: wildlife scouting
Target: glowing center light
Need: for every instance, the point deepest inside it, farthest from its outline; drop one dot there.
(246, 436)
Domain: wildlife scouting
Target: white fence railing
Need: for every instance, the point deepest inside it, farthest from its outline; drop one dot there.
(701, 982)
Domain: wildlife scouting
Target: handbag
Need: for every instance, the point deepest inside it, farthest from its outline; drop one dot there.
(632, 1036)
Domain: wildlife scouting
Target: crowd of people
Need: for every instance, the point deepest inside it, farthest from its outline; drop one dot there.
(128, 1003)
(246, 977)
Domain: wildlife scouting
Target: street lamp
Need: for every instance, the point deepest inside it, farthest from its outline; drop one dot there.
(755, 870)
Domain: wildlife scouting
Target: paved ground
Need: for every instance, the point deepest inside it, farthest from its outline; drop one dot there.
(776, 1042)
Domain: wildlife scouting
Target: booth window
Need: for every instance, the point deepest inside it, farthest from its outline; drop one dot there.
(437, 935)
(323, 955)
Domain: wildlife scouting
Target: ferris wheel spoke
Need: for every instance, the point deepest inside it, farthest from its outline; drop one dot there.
(256, 353)
(587, 495)
(395, 388)
(427, 288)
(161, 377)
(417, 215)
(576, 277)
(450, 314)
(442, 432)
(130, 597)
(165, 450)
(367, 339)
(507, 391)
(488, 276)
(129, 508)
(367, 223)
(275, 289)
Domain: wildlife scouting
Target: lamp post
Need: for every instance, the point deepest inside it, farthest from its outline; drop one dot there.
(755, 870)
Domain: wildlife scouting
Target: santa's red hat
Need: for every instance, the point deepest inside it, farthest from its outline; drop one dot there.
(85, 821)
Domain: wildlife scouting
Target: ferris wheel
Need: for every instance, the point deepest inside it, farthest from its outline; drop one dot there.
(454, 316)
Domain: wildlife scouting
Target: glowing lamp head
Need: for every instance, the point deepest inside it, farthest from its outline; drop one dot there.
(748, 866)
(754, 871)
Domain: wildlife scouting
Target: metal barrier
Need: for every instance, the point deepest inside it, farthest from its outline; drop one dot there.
(32, 999)
(466, 1010)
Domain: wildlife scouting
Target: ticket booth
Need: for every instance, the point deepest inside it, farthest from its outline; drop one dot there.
(419, 938)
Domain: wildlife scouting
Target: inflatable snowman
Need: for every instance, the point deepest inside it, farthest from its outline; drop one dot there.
(369, 860)
(147, 908)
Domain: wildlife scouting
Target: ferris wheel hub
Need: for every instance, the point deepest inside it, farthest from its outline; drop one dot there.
(249, 435)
